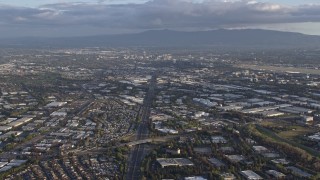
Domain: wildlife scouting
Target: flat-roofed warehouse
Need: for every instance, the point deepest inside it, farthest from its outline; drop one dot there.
(216, 162)
(276, 174)
(248, 174)
(55, 104)
(296, 110)
(165, 162)
(20, 122)
(5, 128)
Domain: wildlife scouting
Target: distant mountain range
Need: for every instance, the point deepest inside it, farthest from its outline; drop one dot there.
(166, 38)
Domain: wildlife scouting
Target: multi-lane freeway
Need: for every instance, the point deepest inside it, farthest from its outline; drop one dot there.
(138, 152)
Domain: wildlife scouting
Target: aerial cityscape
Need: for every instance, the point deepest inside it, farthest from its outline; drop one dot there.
(185, 91)
(140, 113)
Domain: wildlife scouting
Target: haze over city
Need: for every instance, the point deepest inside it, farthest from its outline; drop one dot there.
(64, 18)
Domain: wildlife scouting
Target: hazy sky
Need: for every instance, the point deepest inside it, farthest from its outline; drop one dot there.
(85, 17)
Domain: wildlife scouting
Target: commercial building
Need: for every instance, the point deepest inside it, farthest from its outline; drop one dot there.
(215, 162)
(218, 139)
(55, 104)
(235, 158)
(306, 120)
(299, 172)
(276, 174)
(250, 175)
(5, 128)
(165, 162)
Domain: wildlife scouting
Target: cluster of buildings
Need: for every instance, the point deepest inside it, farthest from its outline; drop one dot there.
(91, 167)
(80, 100)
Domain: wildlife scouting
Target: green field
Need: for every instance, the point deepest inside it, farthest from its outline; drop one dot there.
(288, 133)
(287, 130)
(295, 132)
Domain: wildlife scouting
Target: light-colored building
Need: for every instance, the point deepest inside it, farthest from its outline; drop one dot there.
(228, 176)
(276, 174)
(250, 175)
(5, 128)
(165, 162)
(195, 178)
(235, 158)
(260, 149)
(306, 120)
(218, 139)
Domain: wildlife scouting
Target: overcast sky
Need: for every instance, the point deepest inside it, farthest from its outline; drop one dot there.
(85, 17)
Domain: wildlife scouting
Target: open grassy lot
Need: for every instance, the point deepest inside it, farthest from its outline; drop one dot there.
(286, 129)
(295, 131)
(293, 143)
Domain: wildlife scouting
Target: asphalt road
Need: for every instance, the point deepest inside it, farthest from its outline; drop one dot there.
(140, 151)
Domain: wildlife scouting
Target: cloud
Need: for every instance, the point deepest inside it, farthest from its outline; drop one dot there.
(158, 14)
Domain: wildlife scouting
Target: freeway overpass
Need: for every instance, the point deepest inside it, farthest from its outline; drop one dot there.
(98, 150)
(151, 140)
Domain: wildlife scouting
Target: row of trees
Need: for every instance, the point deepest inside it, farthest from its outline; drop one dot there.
(298, 155)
